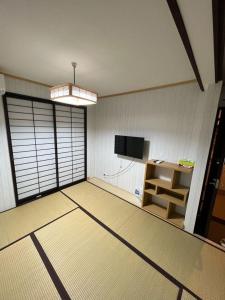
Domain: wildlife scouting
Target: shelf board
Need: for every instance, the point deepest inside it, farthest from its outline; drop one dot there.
(176, 219)
(160, 211)
(150, 191)
(156, 209)
(172, 166)
(166, 197)
(181, 190)
(171, 199)
(159, 182)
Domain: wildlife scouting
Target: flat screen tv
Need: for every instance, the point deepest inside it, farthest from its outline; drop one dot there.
(129, 146)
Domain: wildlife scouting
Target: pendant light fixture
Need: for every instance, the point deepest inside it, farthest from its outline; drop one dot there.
(69, 93)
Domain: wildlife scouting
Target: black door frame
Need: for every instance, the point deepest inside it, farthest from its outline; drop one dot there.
(212, 175)
(57, 188)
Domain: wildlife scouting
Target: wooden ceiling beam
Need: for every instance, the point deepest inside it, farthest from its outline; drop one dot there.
(25, 79)
(175, 11)
(157, 87)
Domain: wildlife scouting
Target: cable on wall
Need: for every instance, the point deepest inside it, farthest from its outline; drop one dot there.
(123, 171)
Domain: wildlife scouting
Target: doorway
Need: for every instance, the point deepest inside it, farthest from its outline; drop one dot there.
(210, 222)
(47, 145)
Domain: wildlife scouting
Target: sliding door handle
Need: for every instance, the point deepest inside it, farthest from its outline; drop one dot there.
(215, 183)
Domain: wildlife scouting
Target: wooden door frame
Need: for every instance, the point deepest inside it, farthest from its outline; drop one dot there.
(57, 188)
(201, 228)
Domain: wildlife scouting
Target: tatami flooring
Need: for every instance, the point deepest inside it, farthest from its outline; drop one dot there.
(86, 243)
(18, 222)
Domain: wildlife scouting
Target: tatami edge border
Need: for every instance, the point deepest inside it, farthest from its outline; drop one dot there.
(50, 269)
(28, 234)
(147, 212)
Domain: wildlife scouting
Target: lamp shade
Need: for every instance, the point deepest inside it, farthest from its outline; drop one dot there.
(70, 94)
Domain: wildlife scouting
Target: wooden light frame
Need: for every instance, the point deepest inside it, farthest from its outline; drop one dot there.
(72, 94)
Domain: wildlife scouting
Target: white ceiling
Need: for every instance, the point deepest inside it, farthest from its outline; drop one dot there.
(119, 45)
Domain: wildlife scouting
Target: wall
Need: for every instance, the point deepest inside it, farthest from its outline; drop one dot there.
(7, 199)
(177, 122)
(91, 124)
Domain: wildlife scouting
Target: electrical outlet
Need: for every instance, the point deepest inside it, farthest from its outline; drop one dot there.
(137, 192)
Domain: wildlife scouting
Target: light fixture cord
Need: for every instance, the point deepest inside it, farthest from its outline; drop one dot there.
(74, 71)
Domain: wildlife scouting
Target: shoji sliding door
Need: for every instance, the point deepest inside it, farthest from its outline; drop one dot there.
(71, 139)
(47, 144)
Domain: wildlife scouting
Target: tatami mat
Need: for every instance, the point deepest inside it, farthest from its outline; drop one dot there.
(18, 222)
(101, 204)
(23, 274)
(92, 264)
(187, 296)
(196, 264)
(116, 191)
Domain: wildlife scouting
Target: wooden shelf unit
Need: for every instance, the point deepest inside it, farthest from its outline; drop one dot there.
(170, 192)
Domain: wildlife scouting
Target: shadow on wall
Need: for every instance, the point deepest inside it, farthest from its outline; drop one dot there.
(146, 151)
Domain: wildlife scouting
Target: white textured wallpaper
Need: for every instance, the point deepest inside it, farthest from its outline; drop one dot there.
(177, 122)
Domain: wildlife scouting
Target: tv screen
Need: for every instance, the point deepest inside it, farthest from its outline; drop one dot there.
(129, 146)
(135, 147)
(120, 145)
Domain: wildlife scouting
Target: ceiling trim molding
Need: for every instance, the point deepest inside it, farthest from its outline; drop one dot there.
(175, 11)
(25, 79)
(218, 10)
(163, 86)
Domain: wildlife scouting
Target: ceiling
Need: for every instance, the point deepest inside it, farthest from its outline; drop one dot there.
(119, 45)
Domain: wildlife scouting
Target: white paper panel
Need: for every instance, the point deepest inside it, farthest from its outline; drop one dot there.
(27, 182)
(61, 108)
(47, 188)
(70, 140)
(45, 106)
(45, 183)
(80, 177)
(19, 109)
(46, 162)
(43, 123)
(20, 129)
(46, 167)
(32, 135)
(63, 114)
(26, 176)
(22, 168)
(27, 188)
(20, 116)
(21, 122)
(64, 145)
(28, 194)
(43, 152)
(66, 168)
(66, 177)
(66, 174)
(64, 182)
(33, 144)
(67, 155)
(45, 173)
(19, 102)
